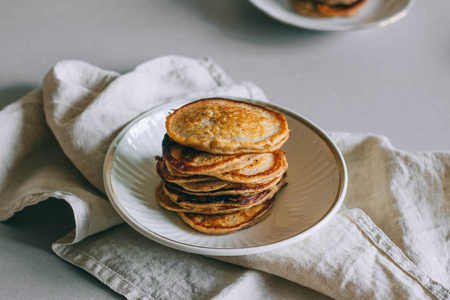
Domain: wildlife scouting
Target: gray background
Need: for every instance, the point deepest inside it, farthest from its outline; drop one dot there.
(393, 81)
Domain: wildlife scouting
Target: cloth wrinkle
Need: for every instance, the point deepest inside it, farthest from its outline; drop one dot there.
(384, 243)
(112, 271)
(216, 72)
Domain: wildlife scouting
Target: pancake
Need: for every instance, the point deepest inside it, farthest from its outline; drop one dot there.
(328, 8)
(341, 10)
(307, 8)
(199, 203)
(227, 223)
(262, 171)
(164, 173)
(175, 172)
(190, 161)
(168, 204)
(223, 126)
(204, 186)
(207, 188)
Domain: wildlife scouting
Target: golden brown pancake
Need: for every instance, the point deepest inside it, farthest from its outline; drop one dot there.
(199, 203)
(328, 8)
(168, 204)
(179, 178)
(227, 223)
(175, 172)
(202, 184)
(264, 170)
(223, 126)
(203, 188)
(190, 161)
(261, 171)
(206, 186)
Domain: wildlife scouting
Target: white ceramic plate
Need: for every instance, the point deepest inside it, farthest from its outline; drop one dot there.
(317, 183)
(376, 13)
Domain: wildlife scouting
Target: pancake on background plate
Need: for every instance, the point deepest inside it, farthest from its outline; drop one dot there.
(328, 8)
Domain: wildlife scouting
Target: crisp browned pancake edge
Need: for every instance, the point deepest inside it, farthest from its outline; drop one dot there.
(217, 224)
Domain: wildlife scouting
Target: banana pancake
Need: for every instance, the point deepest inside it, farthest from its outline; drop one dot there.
(207, 188)
(168, 204)
(227, 223)
(179, 178)
(224, 126)
(196, 183)
(176, 172)
(191, 161)
(264, 170)
(199, 183)
(211, 202)
(260, 171)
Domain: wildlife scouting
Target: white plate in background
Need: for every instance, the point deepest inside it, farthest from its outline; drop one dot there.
(375, 13)
(317, 183)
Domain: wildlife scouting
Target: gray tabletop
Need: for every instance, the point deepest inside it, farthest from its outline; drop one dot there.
(393, 81)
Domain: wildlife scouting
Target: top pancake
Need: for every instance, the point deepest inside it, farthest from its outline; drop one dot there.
(223, 126)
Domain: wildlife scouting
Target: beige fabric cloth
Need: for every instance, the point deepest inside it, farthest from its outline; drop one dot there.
(391, 241)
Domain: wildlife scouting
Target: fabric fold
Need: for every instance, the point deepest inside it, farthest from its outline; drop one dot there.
(391, 240)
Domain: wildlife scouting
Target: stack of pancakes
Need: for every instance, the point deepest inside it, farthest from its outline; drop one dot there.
(221, 164)
(328, 8)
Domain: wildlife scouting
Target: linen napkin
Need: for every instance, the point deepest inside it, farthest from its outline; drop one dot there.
(391, 240)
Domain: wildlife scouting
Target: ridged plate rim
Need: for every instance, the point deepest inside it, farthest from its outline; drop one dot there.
(147, 232)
